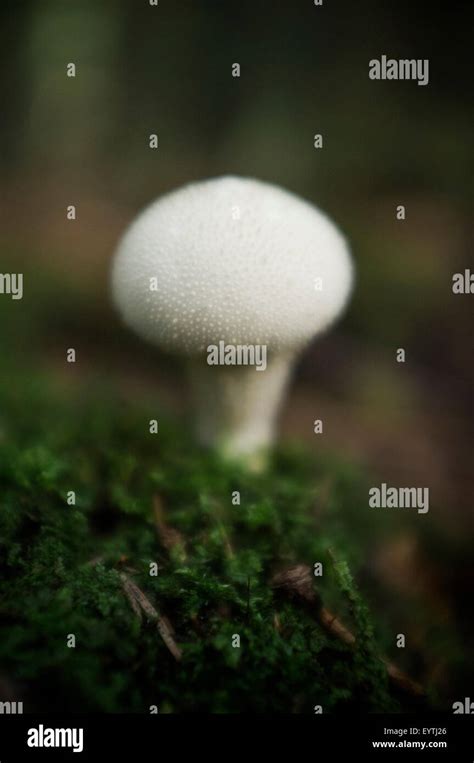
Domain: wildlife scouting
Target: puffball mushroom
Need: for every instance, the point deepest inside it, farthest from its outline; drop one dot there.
(232, 263)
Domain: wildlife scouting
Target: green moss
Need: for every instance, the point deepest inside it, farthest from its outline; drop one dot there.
(62, 569)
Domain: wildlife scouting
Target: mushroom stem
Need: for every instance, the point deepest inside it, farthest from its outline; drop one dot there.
(236, 406)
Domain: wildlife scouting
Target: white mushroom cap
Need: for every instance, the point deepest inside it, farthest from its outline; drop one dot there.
(235, 260)
(238, 262)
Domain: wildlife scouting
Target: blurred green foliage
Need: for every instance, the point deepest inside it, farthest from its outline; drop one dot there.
(62, 565)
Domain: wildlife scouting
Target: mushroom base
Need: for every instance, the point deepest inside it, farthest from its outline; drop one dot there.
(236, 406)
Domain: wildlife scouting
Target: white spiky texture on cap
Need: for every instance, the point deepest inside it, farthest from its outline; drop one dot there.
(239, 261)
(235, 260)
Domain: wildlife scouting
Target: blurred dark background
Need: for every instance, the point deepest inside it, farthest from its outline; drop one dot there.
(304, 70)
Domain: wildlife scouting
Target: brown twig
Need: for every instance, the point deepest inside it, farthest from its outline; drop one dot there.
(335, 627)
(142, 603)
(402, 681)
(297, 583)
(129, 593)
(168, 536)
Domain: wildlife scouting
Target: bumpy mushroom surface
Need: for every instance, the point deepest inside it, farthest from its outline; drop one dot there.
(237, 261)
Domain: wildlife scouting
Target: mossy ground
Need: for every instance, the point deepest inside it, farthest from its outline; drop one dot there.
(61, 569)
